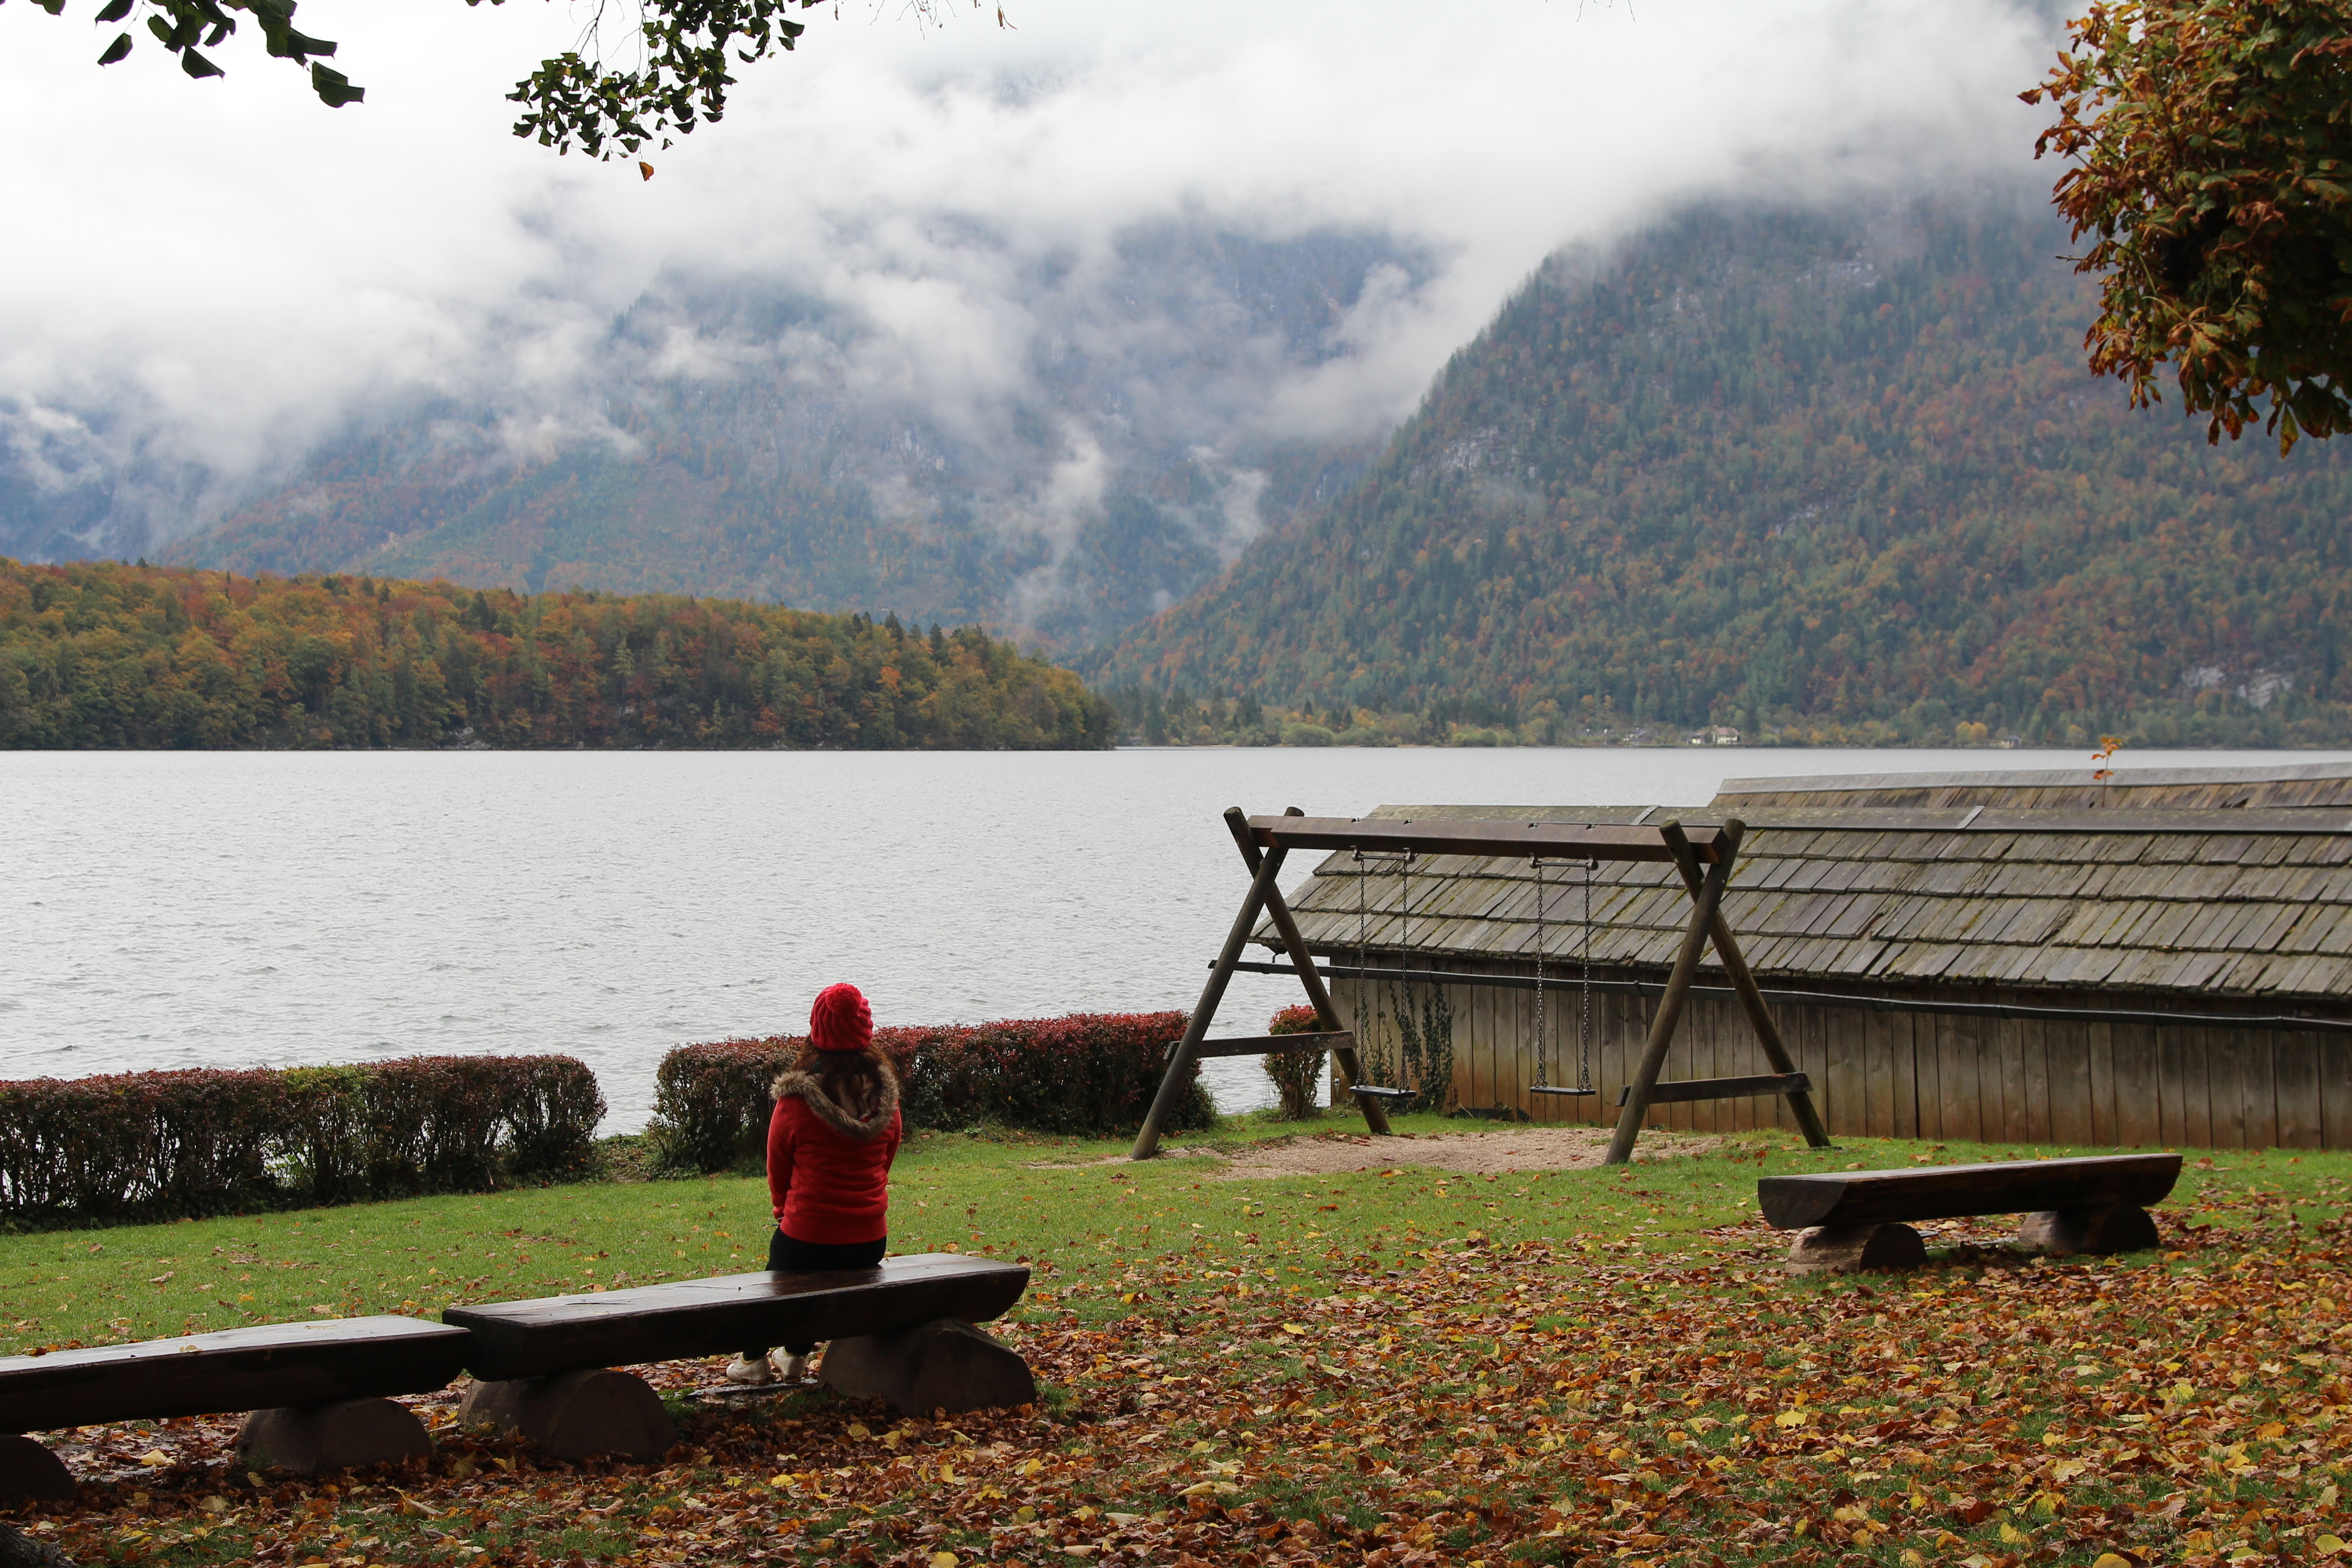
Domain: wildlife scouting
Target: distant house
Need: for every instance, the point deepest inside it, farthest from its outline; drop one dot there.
(2165, 959)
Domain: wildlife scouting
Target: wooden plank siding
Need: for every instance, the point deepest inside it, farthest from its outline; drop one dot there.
(2199, 898)
(1941, 1076)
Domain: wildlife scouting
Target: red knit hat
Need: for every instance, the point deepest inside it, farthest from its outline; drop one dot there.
(840, 1020)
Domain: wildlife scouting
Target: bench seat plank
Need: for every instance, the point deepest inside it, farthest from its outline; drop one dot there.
(258, 1368)
(1847, 1198)
(691, 1318)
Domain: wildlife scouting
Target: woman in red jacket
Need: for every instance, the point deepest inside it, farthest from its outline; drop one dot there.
(830, 1143)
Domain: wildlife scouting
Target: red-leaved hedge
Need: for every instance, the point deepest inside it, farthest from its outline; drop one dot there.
(171, 1145)
(1091, 1074)
(1294, 1073)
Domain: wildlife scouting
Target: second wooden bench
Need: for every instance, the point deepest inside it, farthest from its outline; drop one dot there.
(1859, 1219)
(904, 1332)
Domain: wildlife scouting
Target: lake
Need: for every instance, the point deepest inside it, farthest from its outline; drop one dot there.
(244, 909)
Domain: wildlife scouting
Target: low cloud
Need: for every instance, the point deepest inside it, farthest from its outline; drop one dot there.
(211, 280)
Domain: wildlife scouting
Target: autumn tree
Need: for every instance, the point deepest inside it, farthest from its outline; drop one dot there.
(2208, 143)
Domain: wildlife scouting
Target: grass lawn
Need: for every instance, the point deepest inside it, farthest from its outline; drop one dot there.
(1396, 1366)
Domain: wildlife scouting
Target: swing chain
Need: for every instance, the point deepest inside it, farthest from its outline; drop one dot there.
(1542, 1041)
(1369, 1054)
(1584, 1013)
(1584, 999)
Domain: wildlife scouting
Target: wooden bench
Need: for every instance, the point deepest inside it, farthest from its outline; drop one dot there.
(902, 1332)
(317, 1392)
(1857, 1219)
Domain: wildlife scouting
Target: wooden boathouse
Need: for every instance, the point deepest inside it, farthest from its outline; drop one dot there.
(2162, 959)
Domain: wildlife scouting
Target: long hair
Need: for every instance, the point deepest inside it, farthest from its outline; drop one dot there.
(851, 1079)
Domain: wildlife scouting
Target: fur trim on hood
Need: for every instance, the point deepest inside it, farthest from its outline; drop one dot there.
(805, 1087)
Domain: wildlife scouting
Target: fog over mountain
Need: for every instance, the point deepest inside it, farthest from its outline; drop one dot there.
(1037, 326)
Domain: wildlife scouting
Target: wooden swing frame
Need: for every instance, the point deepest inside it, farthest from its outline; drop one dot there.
(1705, 857)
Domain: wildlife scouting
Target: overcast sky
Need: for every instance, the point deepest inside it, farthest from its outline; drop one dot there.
(235, 267)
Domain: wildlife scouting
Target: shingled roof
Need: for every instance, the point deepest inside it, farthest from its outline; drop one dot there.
(2303, 784)
(2230, 905)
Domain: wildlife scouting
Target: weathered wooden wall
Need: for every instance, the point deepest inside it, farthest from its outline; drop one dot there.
(1936, 1076)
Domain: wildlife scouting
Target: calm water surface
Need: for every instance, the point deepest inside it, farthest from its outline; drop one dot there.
(243, 909)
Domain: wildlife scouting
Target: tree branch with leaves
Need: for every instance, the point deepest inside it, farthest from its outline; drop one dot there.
(2211, 150)
(687, 52)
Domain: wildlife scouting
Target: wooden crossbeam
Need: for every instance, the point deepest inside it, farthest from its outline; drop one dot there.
(1269, 1044)
(1689, 1089)
(1431, 835)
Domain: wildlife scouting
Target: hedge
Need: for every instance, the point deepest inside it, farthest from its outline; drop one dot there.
(1090, 1074)
(171, 1145)
(1294, 1073)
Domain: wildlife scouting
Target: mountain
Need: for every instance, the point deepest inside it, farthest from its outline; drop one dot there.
(1818, 474)
(1056, 444)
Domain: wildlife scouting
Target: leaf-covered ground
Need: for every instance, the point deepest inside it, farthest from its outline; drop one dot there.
(1414, 1367)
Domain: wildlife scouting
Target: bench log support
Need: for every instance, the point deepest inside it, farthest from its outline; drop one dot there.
(944, 1365)
(2125, 1228)
(30, 1473)
(1831, 1249)
(576, 1414)
(341, 1435)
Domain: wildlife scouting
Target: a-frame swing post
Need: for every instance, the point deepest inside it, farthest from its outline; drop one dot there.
(1188, 1049)
(1670, 1006)
(1743, 981)
(1343, 1059)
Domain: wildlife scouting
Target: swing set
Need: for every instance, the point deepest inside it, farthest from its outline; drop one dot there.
(1704, 856)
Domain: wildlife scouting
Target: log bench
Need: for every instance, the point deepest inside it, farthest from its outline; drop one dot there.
(903, 1333)
(317, 1395)
(317, 1392)
(1847, 1220)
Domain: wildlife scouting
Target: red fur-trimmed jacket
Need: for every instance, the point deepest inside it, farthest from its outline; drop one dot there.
(828, 1171)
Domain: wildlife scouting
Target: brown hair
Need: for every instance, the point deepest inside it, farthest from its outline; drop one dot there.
(851, 1079)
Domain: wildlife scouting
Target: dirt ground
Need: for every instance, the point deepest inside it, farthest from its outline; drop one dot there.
(1473, 1154)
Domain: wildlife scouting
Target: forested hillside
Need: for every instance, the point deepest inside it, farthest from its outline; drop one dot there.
(101, 654)
(1819, 475)
(734, 435)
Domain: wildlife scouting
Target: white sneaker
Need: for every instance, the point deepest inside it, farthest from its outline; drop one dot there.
(796, 1368)
(751, 1370)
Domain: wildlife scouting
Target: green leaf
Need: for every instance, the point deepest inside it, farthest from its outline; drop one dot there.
(116, 50)
(115, 11)
(333, 87)
(197, 66)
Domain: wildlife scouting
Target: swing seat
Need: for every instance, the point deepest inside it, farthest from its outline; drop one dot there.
(1548, 1089)
(1367, 1090)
